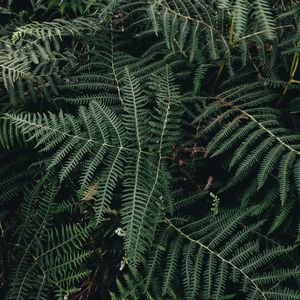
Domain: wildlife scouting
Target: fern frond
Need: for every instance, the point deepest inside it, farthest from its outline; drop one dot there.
(240, 14)
(13, 69)
(257, 135)
(208, 267)
(264, 18)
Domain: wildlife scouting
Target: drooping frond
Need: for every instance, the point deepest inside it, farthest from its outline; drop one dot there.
(186, 23)
(256, 135)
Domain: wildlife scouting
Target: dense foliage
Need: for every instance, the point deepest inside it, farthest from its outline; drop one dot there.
(149, 149)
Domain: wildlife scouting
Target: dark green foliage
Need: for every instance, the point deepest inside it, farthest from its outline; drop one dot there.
(256, 134)
(50, 253)
(149, 149)
(209, 253)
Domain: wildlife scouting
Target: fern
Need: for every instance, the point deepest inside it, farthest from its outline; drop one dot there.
(74, 139)
(263, 16)
(185, 23)
(63, 133)
(223, 4)
(150, 149)
(257, 132)
(13, 70)
(240, 12)
(48, 254)
(212, 256)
